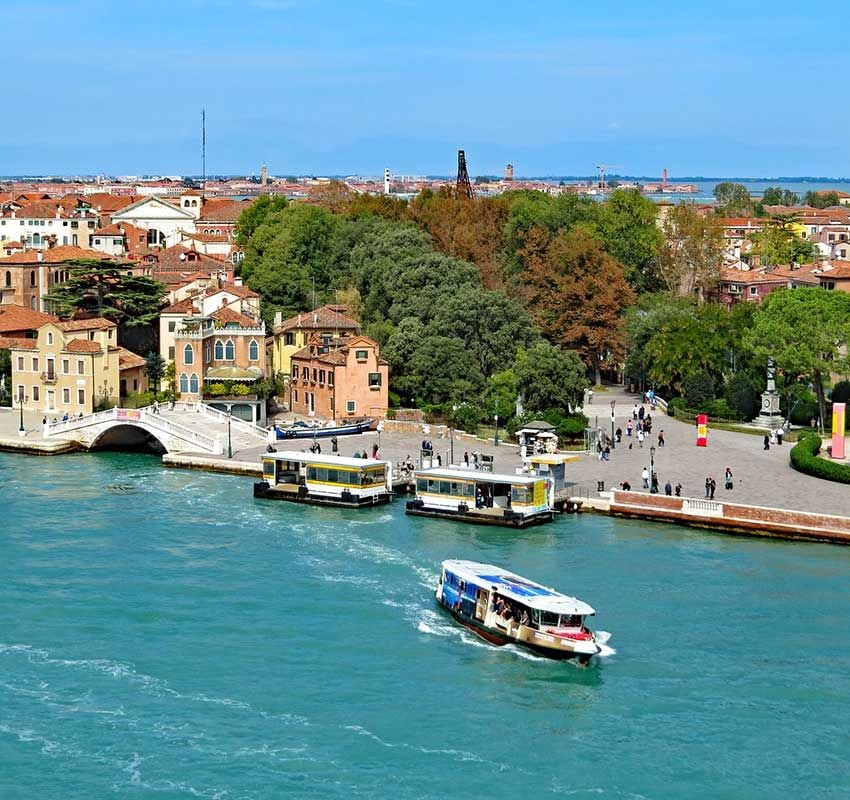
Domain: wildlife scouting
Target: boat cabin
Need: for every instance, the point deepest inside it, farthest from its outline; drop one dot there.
(332, 479)
(550, 465)
(486, 497)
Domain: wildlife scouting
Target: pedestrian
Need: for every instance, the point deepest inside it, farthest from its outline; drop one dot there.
(707, 487)
(766, 442)
(635, 413)
(606, 453)
(653, 489)
(439, 460)
(661, 438)
(629, 428)
(619, 435)
(626, 486)
(375, 450)
(727, 481)
(647, 424)
(466, 458)
(780, 432)
(773, 437)
(156, 406)
(668, 489)
(44, 421)
(640, 438)
(712, 489)
(641, 413)
(678, 490)
(334, 444)
(644, 475)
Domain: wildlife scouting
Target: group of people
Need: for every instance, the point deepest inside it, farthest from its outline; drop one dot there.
(510, 611)
(471, 459)
(711, 484)
(65, 418)
(774, 437)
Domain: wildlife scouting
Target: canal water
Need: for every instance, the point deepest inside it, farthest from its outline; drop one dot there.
(162, 635)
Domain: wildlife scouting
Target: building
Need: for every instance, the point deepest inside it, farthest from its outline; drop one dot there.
(328, 323)
(40, 223)
(163, 220)
(753, 285)
(509, 172)
(224, 347)
(74, 367)
(341, 378)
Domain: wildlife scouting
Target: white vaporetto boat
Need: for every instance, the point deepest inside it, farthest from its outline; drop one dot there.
(504, 608)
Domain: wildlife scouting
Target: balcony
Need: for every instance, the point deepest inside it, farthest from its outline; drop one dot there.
(48, 377)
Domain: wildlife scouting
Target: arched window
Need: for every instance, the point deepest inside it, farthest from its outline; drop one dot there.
(75, 240)
(8, 278)
(185, 204)
(229, 350)
(188, 355)
(184, 383)
(253, 350)
(193, 384)
(194, 204)
(219, 350)
(32, 278)
(36, 239)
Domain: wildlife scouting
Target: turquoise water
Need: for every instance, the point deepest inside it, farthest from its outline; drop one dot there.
(180, 639)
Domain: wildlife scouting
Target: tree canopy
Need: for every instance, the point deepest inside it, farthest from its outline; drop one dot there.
(549, 377)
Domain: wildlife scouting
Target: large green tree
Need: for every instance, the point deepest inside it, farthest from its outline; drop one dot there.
(549, 377)
(806, 332)
(255, 215)
(778, 244)
(733, 199)
(690, 259)
(777, 196)
(821, 199)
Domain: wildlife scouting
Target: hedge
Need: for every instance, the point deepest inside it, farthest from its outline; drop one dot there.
(804, 458)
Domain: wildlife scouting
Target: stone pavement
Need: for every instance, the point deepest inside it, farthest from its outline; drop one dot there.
(763, 478)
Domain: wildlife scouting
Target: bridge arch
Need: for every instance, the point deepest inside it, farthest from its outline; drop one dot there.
(129, 436)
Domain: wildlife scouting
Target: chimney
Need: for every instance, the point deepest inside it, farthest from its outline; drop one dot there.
(299, 319)
(278, 319)
(315, 318)
(40, 256)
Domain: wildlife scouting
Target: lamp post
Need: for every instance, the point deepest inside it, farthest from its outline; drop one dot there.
(651, 461)
(229, 447)
(496, 434)
(613, 445)
(22, 398)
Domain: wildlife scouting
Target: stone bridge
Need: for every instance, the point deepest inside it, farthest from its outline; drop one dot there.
(186, 427)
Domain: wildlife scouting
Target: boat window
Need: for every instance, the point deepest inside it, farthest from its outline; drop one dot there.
(445, 487)
(268, 468)
(521, 494)
(548, 618)
(433, 486)
(422, 484)
(333, 476)
(570, 621)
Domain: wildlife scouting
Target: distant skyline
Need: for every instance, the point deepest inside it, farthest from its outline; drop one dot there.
(329, 87)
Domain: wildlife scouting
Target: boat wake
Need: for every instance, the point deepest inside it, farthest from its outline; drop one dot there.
(605, 649)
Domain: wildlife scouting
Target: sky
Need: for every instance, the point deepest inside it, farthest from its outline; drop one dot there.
(341, 87)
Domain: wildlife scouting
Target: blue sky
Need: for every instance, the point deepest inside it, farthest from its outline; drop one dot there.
(330, 87)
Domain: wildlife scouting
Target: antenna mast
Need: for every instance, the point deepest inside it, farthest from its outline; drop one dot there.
(464, 187)
(203, 153)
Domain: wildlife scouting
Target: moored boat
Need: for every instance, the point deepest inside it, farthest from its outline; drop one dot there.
(324, 479)
(305, 430)
(504, 608)
(516, 501)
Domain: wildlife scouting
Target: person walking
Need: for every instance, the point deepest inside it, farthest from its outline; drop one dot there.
(767, 441)
(629, 428)
(606, 453)
(619, 435)
(653, 489)
(640, 438)
(668, 489)
(727, 481)
(644, 475)
(334, 444)
(712, 488)
(641, 413)
(780, 432)
(635, 413)
(707, 487)
(678, 490)
(661, 438)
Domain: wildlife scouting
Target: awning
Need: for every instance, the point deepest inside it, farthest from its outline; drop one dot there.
(218, 374)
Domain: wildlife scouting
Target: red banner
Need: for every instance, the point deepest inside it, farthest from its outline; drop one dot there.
(702, 430)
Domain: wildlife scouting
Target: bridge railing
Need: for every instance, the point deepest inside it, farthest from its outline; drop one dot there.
(236, 422)
(73, 423)
(155, 421)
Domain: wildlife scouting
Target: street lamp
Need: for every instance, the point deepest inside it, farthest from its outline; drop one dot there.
(22, 398)
(651, 461)
(613, 403)
(229, 448)
(496, 434)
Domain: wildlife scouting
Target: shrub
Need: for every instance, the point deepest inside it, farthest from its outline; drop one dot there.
(841, 392)
(699, 389)
(742, 395)
(804, 458)
(465, 416)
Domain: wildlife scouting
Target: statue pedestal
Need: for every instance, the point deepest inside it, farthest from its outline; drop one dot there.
(771, 416)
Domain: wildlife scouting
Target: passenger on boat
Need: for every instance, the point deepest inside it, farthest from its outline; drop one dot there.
(523, 617)
(498, 605)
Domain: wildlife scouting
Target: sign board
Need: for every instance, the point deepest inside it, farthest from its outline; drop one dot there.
(838, 421)
(702, 430)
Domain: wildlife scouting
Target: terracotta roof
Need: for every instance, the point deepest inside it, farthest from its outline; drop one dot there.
(216, 210)
(186, 306)
(83, 346)
(110, 230)
(169, 260)
(111, 202)
(232, 288)
(56, 255)
(207, 237)
(19, 318)
(17, 343)
(93, 324)
(331, 317)
(228, 315)
(129, 360)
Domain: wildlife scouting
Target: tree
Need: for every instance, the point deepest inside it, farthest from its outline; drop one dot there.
(742, 394)
(500, 396)
(699, 389)
(777, 244)
(806, 332)
(107, 290)
(776, 196)
(577, 293)
(549, 377)
(690, 259)
(733, 198)
(443, 370)
(154, 369)
(255, 215)
(821, 199)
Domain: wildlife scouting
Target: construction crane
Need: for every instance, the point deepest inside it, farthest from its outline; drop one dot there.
(603, 168)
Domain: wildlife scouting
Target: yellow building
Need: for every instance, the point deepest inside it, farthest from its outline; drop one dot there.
(327, 323)
(73, 367)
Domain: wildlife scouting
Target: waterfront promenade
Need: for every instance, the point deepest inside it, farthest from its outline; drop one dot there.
(763, 478)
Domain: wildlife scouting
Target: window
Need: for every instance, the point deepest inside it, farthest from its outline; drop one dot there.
(828, 284)
(184, 383)
(66, 366)
(20, 363)
(253, 350)
(296, 395)
(66, 396)
(75, 224)
(754, 290)
(81, 367)
(35, 364)
(361, 355)
(49, 337)
(32, 278)
(193, 383)
(171, 353)
(8, 278)
(288, 338)
(172, 324)
(97, 241)
(321, 376)
(75, 240)
(229, 350)
(295, 372)
(219, 351)
(374, 380)
(844, 252)
(21, 393)
(65, 238)
(350, 406)
(315, 374)
(188, 355)
(35, 394)
(207, 352)
(330, 377)
(81, 397)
